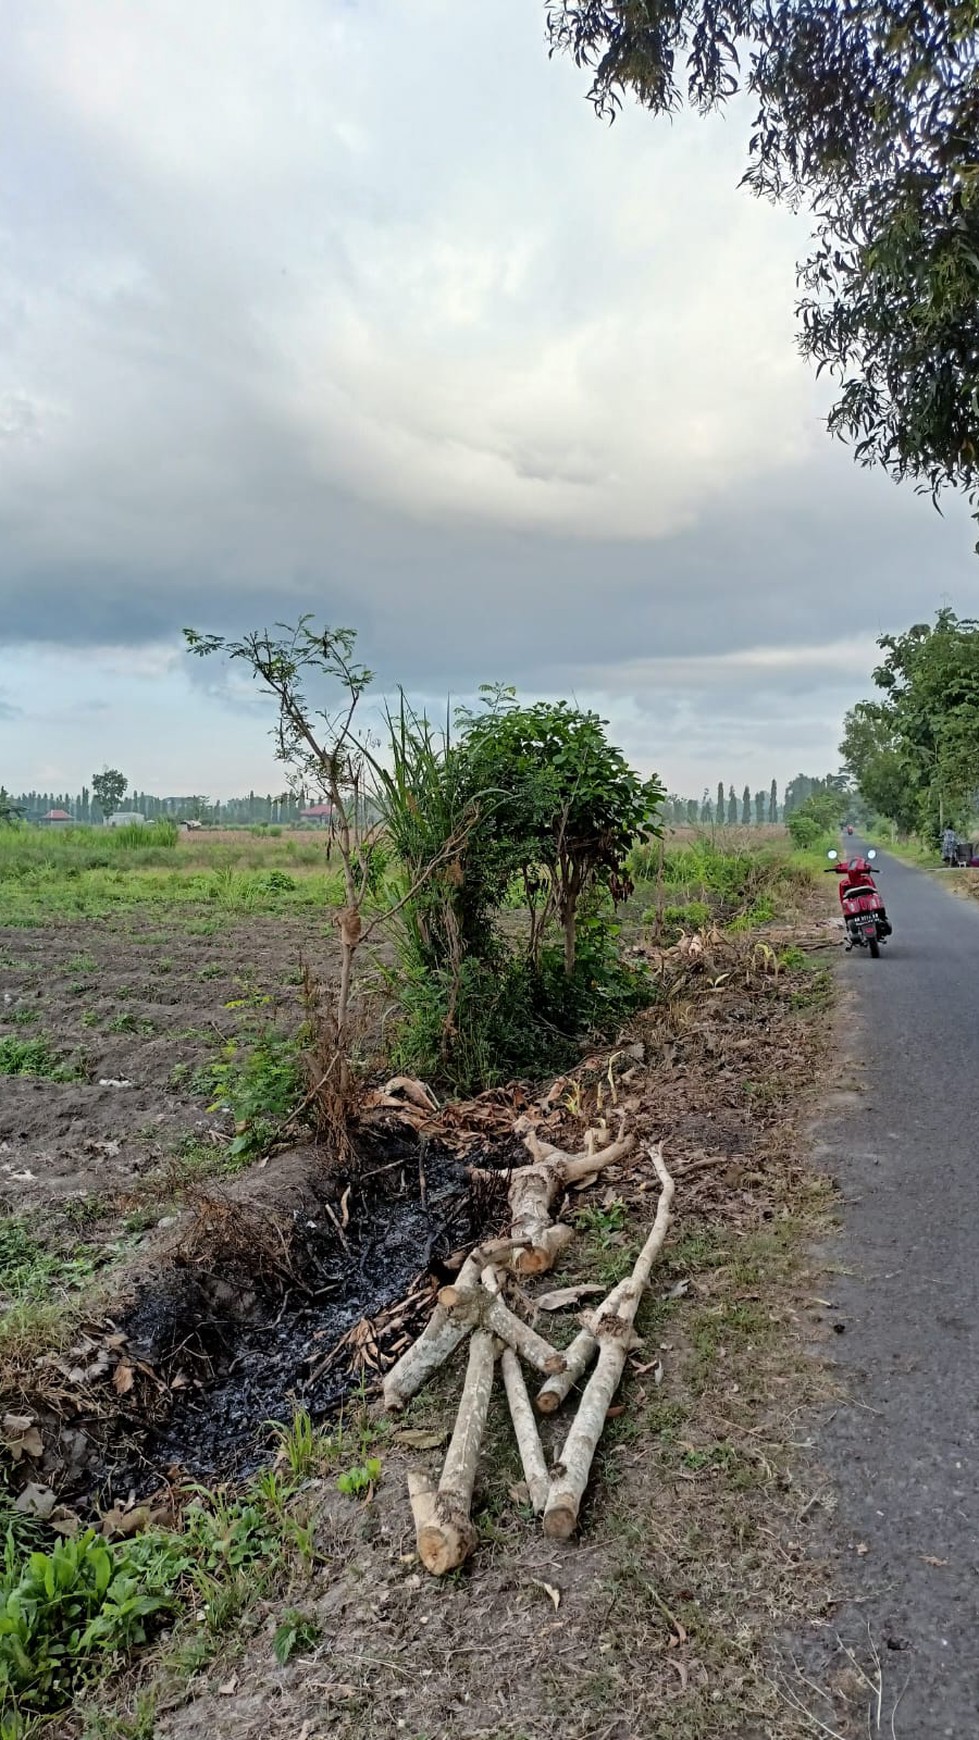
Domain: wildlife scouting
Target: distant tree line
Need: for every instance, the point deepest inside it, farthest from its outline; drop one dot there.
(83, 807)
(757, 809)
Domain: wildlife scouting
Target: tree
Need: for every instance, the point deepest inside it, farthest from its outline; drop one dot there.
(321, 753)
(565, 797)
(719, 811)
(732, 807)
(869, 115)
(915, 753)
(691, 812)
(10, 813)
(773, 803)
(108, 789)
(746, 807)
(761, 799)
(706, 809)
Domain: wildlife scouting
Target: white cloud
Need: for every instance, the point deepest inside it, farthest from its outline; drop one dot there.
(397, 232)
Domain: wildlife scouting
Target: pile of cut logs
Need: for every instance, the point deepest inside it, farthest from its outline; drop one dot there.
(480, 1305)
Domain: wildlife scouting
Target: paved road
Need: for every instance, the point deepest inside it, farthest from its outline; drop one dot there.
(906, 1461)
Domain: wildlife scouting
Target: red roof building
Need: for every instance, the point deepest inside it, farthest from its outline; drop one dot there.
(317, 813)
(57, 817)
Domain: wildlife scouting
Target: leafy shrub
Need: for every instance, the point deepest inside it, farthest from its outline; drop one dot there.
(691, 915)
(804, 830)
(259, 1084)
(65, 1614)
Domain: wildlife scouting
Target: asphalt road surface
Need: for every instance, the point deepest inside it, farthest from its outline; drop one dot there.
(904, 1454)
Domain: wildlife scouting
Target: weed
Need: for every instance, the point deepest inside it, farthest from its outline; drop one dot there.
(361, 1478)
(602, 1223)
(24, 1016)
(35, 1057)
(65, 1614)
(82, 964)
(300, 1445)
(129, 1023)
(295, 1631)
(260, 1085)
(29, 1272)
(212, 970)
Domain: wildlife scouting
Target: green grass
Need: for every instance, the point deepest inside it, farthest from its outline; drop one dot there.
(30, 1272)
(92, 873)
(36, 1057)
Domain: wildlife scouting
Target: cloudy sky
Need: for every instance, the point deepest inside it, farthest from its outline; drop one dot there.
(351, 306)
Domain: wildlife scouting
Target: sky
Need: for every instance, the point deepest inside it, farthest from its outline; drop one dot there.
(353, 307)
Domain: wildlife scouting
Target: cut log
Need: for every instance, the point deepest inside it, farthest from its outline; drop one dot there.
(442, 1334)
(525, 1429)
(614, 1333)
(577, 1357)
(444, 1531)
(534, 1190)
(478, 1305)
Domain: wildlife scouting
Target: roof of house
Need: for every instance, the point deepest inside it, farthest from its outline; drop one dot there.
(317, 810)
(56, 816)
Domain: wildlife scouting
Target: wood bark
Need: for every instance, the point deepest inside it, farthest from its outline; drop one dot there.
(445, 1534)
(478, 1305)
(442, 1334)
(525, 1429)
(534, 1189)
(578, 1356)
(614, 1332)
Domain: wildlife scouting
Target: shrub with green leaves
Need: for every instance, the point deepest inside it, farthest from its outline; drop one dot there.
(65, 1614)
(259, 1083)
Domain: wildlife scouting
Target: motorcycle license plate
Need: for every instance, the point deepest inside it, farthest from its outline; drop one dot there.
(867, 926)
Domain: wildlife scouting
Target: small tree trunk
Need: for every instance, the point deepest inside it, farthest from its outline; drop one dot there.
(614, 1332)
(525, 1429)
(577, 1358)
(444, 1530)
(443, 1332)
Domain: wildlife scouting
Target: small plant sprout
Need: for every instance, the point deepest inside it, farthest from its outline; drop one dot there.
(361, 1479)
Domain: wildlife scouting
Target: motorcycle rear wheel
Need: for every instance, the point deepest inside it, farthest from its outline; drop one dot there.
(874, 947)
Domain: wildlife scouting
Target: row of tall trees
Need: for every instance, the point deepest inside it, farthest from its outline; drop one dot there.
(750, 809)
(914, 750)
(83, 807)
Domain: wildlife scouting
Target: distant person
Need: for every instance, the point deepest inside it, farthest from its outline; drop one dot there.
(950, 847)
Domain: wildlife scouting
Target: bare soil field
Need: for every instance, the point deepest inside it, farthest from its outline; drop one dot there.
(128, 1008)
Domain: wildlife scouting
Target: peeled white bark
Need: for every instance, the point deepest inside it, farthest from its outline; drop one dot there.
(614, 1331)
(525, 1429)
(445, 1534)
(441, 1336)
(577, 1357)
(534, 1190)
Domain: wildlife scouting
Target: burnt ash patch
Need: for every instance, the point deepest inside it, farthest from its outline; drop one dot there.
(240, 1328)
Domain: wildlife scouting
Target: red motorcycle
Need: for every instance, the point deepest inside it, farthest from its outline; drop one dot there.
(864, 914)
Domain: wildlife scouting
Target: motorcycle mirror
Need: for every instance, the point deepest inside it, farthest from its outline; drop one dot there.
(872, 853)
(832, 856)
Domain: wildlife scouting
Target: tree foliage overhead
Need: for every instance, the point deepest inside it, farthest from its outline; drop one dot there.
(866, 111)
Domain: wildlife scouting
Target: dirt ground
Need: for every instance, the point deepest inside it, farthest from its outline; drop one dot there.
(168, 989)
(700, 1543)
